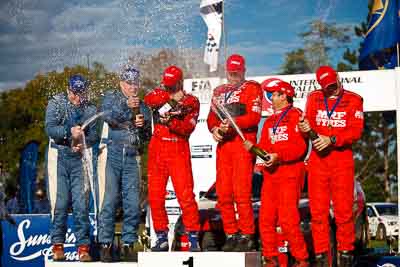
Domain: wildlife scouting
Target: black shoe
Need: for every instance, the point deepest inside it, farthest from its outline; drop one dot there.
(345, 259)
(129, 252)
(230, 242)
(321, 260)
(106, 253)
(244, 243)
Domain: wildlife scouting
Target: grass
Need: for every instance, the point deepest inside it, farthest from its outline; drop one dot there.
(383, 246)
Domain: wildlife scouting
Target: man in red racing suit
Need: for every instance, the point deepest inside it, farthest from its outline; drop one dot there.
(169, 155)
(234, 163)
(283, 176)
(336, 116)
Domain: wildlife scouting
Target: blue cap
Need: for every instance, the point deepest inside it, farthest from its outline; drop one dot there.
(77, 84)
(130, 74)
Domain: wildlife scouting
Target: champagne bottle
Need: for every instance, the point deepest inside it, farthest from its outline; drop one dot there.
(167, 107)
(311, 133)
(260, 153)
(76, 141)
(138, 131)
(135, 112)
(221, 133)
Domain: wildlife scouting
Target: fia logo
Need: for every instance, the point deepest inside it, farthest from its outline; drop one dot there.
(202, 85)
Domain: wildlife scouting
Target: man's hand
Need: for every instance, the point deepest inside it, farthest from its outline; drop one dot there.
(133, 102)
(224, 126)
(273, 160)
(215, 133)
(178, 96)
(139, 121)
(165, 118)
(76, 132)
(304, 124)
(322, 142)
(248, 145)
(77, 148)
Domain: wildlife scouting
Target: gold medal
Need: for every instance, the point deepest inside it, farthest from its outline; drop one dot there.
(273, 139)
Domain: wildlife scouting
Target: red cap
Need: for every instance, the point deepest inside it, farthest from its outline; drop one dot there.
(172, 75)
(268, 83)
(235, 63)
(280, 86)
(326, 76)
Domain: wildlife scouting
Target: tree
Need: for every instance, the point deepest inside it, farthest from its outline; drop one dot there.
(376, 163)
(23, 110)
(375, 157)
(349, 59)
(296, 62)
(375, 153)
(152, 66)
(319, 42)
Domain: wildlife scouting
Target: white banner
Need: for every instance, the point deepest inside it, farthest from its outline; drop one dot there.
(378, 89)
(211, 12)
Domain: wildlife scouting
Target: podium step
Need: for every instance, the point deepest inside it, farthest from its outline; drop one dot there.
(200, 259)
(51, 263)
(177, 259)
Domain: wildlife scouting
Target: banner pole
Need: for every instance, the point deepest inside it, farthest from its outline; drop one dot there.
(397, 80)
(224, 32)
(398, 55)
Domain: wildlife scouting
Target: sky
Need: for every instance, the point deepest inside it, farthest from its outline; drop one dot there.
(46, 35)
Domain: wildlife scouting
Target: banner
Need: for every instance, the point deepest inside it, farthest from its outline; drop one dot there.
(27, 177)
(377, 88)
(379, 47)
(28, 244)
(211, 12)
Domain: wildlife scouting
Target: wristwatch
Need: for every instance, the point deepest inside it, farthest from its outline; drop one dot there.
(333, 139)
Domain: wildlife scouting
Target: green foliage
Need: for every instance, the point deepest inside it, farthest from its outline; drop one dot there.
(376, 156)
(23, 110)
(296, 63)
(375, 153)
(320, 41)
(349, 59)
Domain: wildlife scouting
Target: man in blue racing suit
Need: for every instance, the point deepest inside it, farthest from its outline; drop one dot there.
(65, 114)
(127, 125)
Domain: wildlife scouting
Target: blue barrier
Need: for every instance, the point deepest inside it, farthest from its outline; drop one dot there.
(378, 261)
(28, 243)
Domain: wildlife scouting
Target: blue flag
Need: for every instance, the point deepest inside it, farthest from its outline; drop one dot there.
(379, 48)
(27, 177)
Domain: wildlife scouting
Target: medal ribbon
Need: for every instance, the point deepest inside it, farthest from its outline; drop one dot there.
(329, 113)
(276, 124)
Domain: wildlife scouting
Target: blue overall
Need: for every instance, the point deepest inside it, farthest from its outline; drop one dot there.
(65, 169)
(118, 169)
